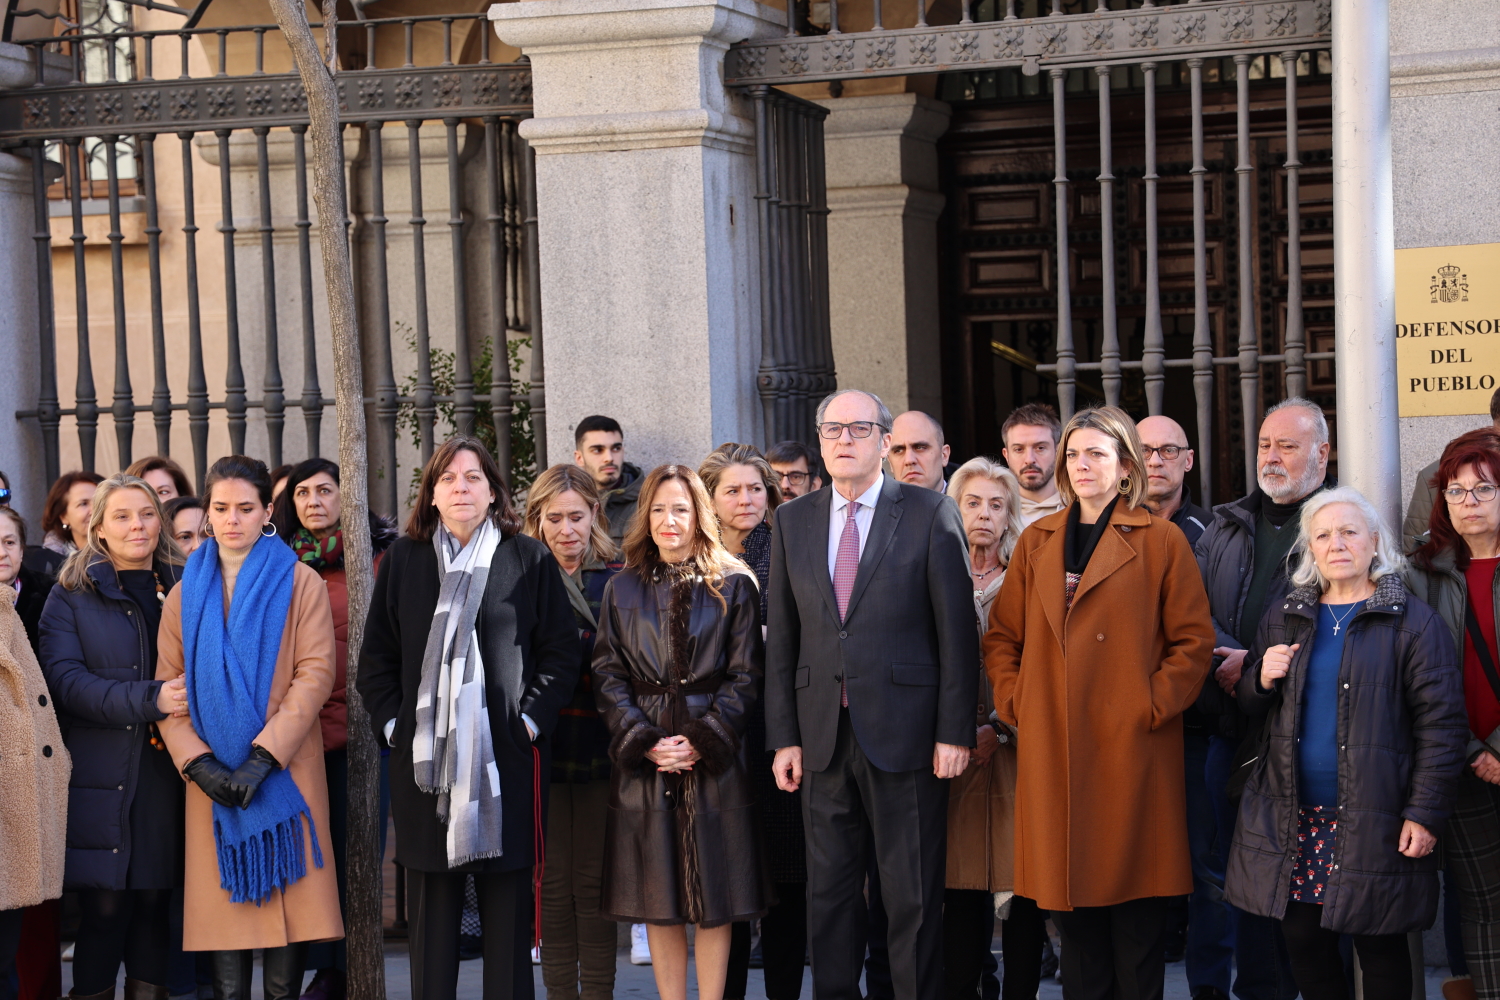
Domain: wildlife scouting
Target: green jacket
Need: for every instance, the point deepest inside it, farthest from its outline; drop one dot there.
(1446, 589)
(619, 502)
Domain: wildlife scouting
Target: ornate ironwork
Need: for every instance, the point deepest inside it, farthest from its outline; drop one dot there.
(1102, 37)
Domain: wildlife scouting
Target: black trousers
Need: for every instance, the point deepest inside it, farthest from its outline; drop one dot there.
(1384, 960)
(121, 925)
(435, 901)
(968, 930)
(783, 947)
(907, 812)
(10, 940)
(1114, 952)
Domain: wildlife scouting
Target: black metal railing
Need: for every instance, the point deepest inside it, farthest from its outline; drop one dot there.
(391, 79)
(796, 355)
(1120, 44)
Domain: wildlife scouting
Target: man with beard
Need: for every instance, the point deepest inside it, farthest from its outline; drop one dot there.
(599, 450)
(1029, 437)
(1243, 558)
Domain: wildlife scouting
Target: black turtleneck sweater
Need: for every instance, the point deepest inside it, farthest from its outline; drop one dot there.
(1275, 532)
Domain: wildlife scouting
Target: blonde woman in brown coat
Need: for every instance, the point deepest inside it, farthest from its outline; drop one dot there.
(34, 771)
(1099, 640)
(251, 628)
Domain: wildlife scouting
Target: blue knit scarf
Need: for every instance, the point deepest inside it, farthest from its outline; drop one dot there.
(229, 670)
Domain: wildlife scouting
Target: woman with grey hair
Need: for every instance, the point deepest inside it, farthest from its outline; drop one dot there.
(981, 801)
(1363, 744)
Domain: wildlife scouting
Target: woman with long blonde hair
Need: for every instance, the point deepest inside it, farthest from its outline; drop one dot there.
(677, 666)
(563, 511)
(125, 822)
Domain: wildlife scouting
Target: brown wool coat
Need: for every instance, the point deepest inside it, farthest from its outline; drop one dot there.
(982, 800)
(309, 909)
(1097, 694)
(34, 771)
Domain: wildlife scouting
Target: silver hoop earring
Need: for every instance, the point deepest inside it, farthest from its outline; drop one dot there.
(268, 534)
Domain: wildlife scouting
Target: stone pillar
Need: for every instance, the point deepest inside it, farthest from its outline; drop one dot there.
(1445, 62)
(20, 375)
(884, 200)
(646, 214)
(1364, 255)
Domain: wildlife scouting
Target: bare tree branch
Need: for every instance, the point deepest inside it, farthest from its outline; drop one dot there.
(362, 911)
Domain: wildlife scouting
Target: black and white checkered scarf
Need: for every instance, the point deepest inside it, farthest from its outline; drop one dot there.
(452, 753)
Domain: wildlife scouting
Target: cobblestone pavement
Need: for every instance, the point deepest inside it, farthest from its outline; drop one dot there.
(637, 981)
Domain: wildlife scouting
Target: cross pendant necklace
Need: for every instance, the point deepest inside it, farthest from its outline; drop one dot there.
(1338, 621)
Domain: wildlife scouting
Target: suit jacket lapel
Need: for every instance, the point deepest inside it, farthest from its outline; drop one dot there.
(887, 515)
(817, 551)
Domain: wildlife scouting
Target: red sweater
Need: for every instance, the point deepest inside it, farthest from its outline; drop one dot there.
(1479, 695)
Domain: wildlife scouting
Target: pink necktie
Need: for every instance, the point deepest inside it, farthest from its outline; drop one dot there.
(845, 569)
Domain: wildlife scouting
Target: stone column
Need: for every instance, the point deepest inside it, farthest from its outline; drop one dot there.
(645, 189)
(884, 200)
(20, 375)
(1445, 63)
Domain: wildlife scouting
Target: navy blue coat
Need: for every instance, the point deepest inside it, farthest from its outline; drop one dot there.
(95, 655)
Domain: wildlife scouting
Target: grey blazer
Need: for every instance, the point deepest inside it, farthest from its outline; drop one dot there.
(907, 645)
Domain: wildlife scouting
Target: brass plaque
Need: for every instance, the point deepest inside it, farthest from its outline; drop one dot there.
(1447, 329)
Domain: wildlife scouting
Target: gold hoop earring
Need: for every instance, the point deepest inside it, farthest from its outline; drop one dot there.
(208, 531)
(1124, 486)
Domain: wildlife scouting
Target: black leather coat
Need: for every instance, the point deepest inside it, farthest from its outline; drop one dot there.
(1401, 734)
(680, 848)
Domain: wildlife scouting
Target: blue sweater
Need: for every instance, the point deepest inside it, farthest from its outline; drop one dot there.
(1317, 746)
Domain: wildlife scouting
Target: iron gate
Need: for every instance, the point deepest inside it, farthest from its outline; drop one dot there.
(103, 93)
(1073, 39)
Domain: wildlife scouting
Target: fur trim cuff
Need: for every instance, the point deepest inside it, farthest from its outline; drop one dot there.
(708, 739)
(630, 752)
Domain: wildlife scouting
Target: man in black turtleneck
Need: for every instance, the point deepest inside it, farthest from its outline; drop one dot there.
(1243, 558)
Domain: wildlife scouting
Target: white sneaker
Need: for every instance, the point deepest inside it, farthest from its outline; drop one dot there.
(640, 947)
(536, 954)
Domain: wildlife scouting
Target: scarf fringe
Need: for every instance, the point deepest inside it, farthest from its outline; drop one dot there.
(263, 862)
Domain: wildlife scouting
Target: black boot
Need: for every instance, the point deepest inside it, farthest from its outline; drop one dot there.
(108, 994)
(281, 971)
(233, 971)
(137, 990)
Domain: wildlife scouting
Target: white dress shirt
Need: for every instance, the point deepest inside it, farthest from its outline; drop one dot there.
(863, 518)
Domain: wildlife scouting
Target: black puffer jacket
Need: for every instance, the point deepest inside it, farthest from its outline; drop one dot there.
(670, 660)
(1401, 734)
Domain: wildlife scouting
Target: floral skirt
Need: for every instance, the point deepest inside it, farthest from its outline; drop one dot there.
(1317, 848)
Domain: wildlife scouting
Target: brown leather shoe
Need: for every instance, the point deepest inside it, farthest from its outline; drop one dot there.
(108, 994)
(137, 990)
(1459, 988)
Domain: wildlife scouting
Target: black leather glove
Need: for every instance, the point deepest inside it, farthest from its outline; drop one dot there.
(246, 779)
(213, 776)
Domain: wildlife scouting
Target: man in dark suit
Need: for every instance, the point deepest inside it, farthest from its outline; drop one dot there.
(871, 673)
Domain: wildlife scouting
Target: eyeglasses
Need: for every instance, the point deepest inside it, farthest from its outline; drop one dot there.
(858, 429)
(794, 478)
(1483, 493)
(1167, 451)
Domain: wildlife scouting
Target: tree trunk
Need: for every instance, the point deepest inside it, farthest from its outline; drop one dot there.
(362, 910)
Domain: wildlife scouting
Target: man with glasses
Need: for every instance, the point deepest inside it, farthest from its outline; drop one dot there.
(1208, 947)
(796, 465)
(1168, 461)
(870, 694)
(1419, 511)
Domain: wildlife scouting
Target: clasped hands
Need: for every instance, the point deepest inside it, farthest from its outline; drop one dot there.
(673, 754)
(234, 789)
(948, 761)
(171, 698)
